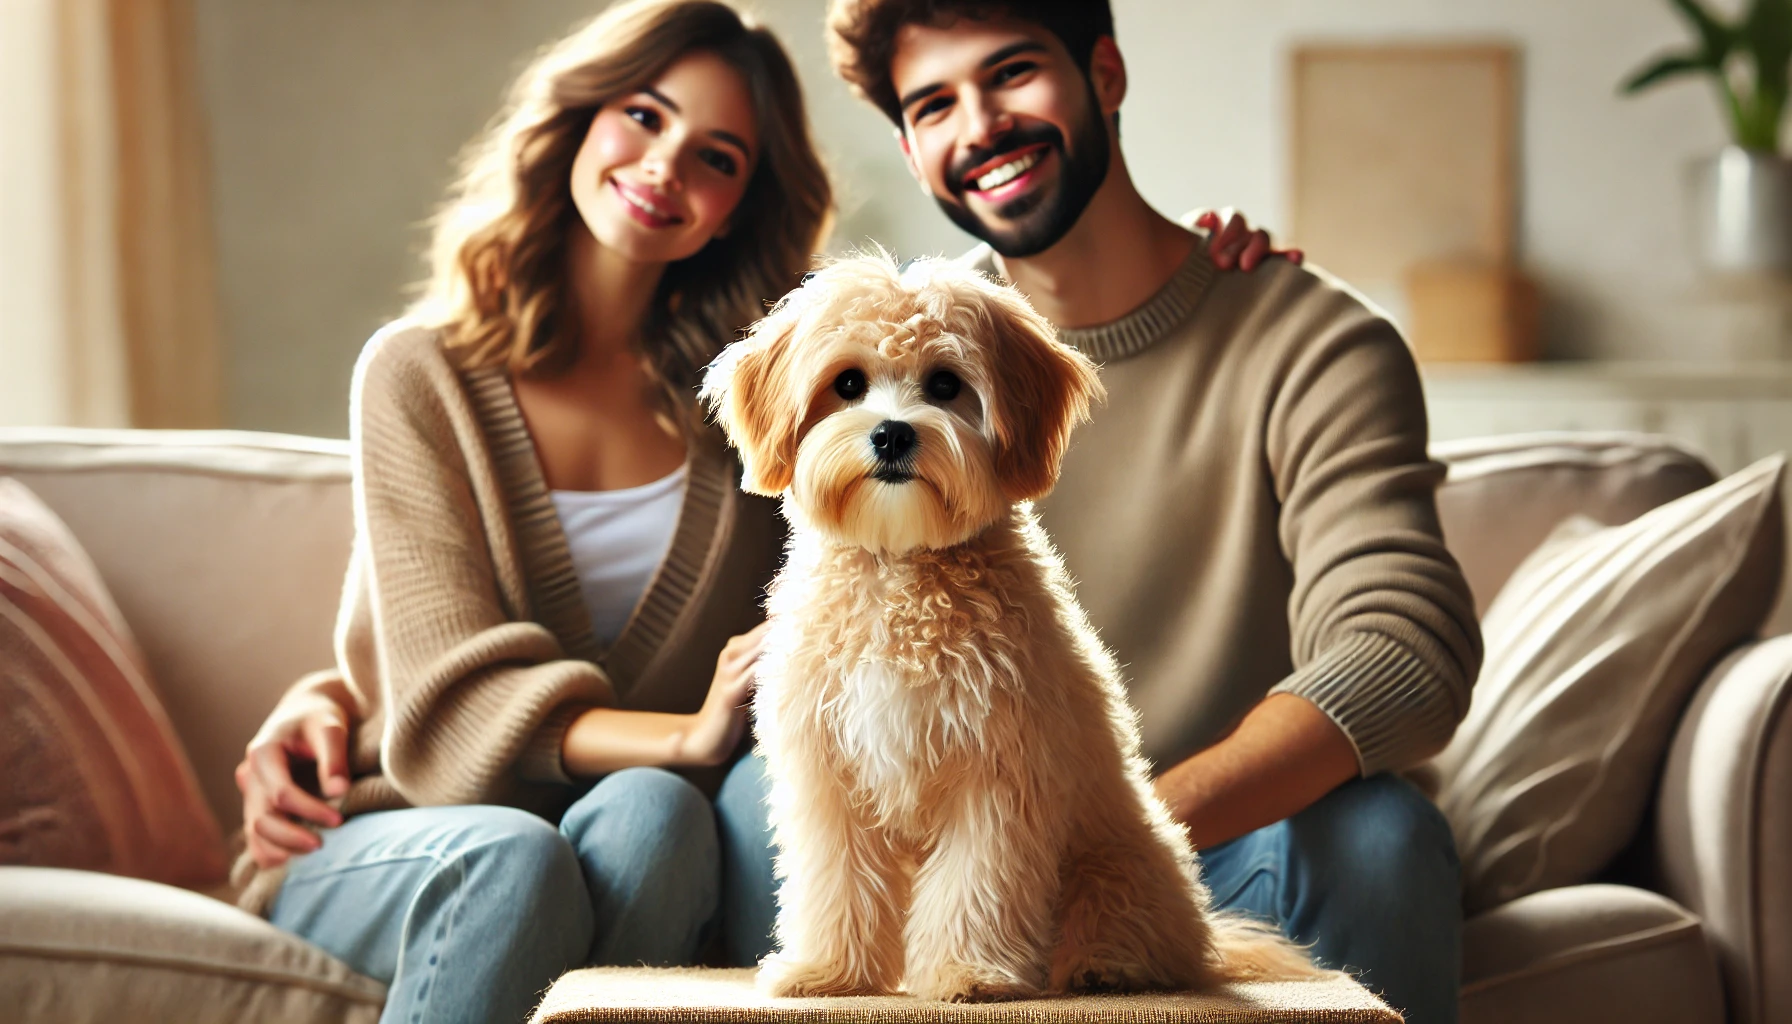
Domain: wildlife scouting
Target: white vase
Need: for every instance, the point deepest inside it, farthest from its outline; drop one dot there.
(1740, 207)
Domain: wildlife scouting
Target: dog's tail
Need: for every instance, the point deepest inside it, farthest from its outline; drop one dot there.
(1249, 950)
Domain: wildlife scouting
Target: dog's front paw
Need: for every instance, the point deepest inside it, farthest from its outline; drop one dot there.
(793, 979)
(952, 982)
(1096, 976)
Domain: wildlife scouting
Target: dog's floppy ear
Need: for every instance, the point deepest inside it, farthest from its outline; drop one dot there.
(749, 389)
(1043, 390)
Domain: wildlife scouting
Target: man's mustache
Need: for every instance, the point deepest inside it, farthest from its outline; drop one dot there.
(1018, 138)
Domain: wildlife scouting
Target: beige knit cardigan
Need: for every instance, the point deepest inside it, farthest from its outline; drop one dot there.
(463, 645)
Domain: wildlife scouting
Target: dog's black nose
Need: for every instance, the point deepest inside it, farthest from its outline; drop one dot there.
(892, 440)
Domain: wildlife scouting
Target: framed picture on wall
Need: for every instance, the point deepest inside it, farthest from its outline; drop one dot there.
(1402, 155)
(1404, 182)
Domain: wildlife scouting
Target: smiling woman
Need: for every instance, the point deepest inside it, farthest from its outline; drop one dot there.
(564, 128)
(551, 615)
(634, 150)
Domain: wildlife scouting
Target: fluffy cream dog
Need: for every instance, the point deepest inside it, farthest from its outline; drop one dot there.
(959, 804)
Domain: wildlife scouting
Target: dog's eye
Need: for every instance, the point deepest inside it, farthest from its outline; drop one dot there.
(850, 385)
(943, 385)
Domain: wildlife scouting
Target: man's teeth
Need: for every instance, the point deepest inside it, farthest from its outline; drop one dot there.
(1009, 171)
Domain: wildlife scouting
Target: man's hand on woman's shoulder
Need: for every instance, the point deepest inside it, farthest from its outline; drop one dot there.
(1233, 243)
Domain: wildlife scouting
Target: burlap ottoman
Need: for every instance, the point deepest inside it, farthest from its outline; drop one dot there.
(728, 997)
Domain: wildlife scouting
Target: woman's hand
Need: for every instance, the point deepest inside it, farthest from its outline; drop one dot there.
(274, 805)
(604, 740)
(1233, 243)
(717, 728)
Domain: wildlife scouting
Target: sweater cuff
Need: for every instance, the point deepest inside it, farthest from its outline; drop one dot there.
(541, 760)
(1390, 704)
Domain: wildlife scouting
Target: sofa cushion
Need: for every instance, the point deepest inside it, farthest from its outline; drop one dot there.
(1589, 952)
(1503, 495)
(1594, 647)
(96, 777)
(77, 946)
(225, 551)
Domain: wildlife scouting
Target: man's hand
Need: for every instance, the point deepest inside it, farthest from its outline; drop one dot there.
(1232, 243)
(1281, 759)
(274, 805)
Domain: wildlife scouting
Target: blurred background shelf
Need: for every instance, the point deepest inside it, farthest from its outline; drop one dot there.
(1732, 414)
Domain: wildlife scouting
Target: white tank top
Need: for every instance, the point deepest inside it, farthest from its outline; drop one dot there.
(618, 540)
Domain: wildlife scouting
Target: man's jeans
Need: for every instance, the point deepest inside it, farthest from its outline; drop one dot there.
(1367, 877)
(470, 913)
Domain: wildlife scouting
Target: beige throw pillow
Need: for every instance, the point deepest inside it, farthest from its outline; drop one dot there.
(1594, 646)
(95, 776)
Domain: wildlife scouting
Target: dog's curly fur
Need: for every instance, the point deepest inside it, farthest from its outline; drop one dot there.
(957, 795)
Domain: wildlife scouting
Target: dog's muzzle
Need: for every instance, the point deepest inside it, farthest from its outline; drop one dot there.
(893, 442)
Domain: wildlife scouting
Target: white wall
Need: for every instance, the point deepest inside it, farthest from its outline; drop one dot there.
(1600, 184)
(333, 122)
(333, 127)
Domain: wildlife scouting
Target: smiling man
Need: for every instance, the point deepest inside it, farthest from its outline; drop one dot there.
(1251, 517)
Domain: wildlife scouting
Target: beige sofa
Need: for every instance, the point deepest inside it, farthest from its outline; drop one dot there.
(225, 552)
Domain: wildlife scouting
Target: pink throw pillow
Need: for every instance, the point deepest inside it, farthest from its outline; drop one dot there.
(94, 775)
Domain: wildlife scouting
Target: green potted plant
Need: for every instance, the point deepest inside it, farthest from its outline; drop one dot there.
(1741, 198)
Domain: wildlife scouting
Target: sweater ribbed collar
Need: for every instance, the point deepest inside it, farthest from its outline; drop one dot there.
(1160, 315)
(553, 583)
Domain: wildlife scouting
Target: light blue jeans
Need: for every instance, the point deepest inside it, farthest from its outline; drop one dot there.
(470, 913)
(1368, 878)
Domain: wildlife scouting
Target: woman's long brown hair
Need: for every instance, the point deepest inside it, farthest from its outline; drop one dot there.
(498, 280)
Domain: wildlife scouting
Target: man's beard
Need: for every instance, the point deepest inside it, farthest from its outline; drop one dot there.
(1035, 222)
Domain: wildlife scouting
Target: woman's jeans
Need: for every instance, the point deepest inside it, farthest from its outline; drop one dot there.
(470, 913)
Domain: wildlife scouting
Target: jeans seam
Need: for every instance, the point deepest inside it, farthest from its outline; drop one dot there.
(343, 869)
(444, 931)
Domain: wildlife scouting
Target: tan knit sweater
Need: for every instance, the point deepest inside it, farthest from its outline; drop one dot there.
(1252, 511)
(463, 645)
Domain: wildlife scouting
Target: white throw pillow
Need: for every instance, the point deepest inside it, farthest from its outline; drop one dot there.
(1594, 646)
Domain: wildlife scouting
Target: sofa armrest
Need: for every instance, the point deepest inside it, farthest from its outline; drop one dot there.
(1724, 824)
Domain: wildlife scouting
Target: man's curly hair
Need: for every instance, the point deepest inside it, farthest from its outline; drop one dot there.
(862, 34)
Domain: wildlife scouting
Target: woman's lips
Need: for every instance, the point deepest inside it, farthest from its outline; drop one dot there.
(644, 206)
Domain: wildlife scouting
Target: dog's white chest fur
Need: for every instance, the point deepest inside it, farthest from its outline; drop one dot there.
(897, 727)
(899, 692)
(873, 725)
